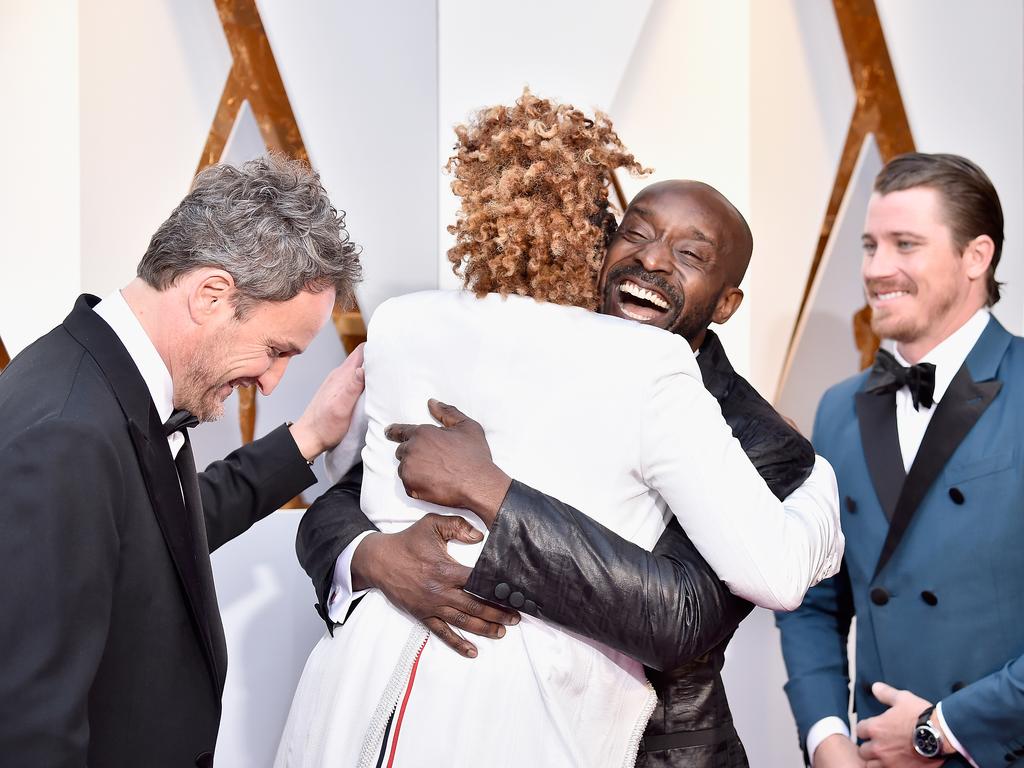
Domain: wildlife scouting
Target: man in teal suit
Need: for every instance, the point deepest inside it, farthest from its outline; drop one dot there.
(927, 447)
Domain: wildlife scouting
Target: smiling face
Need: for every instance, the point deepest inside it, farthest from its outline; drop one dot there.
(919, 286)
(676, 259)
(255, 350)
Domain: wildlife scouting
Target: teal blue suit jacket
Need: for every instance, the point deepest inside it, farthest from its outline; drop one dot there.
(934, 565)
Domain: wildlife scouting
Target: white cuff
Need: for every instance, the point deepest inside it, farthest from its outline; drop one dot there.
(821, 730)
(341, 596)
(949, 735)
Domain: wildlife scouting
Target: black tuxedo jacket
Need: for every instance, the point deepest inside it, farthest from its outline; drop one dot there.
(665, 608)
(111, 645)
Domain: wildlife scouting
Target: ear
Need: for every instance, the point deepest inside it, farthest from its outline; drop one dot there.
(209, 295)
(978, 256)
(727, 305)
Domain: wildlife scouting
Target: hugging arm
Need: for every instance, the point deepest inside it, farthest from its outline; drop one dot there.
(662, 608)
(343, 553)
(328, 527)
(544, 557)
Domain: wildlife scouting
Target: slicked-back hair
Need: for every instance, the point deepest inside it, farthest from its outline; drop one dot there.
(968, 196)
(268, 223)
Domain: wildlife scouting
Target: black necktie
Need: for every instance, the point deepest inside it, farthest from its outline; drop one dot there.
(185, 463)
(179, 420)
(889, 376)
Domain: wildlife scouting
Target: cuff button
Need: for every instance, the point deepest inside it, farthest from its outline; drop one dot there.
(502, 591)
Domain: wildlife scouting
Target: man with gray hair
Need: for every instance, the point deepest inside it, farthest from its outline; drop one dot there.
(111, 643)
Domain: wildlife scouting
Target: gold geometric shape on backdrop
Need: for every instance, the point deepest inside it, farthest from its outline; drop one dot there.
(254, 77)
(5, 358)
(878, 110)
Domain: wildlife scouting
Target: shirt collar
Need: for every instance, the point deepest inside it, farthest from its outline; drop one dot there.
(949, 354)
(120, 317)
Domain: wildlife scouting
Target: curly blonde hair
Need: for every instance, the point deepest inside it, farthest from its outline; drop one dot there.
(533, 179)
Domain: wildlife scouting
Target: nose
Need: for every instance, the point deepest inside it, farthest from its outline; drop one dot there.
(881, 264)
(657, 257)
(268, 381)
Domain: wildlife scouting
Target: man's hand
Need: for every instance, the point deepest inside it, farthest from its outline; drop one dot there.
(414, 571)
(889, 736)
(837, 751)
(449, 465)
(328, 415)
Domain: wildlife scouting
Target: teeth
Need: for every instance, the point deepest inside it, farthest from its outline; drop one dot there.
(890, 295)
(642, 293)
(632, 315)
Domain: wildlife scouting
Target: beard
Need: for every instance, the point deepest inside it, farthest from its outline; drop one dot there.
(199, 390)
(696, 319)
(907, 327)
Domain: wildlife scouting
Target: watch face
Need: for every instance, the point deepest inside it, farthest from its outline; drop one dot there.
(926, 742)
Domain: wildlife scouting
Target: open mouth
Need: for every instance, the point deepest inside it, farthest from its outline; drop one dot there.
(640, 303)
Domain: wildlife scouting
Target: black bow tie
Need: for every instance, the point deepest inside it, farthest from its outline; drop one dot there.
(179, 420)
(889, 376)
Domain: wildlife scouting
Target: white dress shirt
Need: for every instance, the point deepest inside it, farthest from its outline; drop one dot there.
(947, 357)
(120, 317)
(612, 417)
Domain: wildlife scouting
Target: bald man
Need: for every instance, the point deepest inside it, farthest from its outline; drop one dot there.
(675, 262)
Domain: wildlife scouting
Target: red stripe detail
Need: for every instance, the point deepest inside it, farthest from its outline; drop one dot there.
(405, 701)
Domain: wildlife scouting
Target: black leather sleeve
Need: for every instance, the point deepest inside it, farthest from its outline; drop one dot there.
(329, 525)
(782, 456)
(662, 608)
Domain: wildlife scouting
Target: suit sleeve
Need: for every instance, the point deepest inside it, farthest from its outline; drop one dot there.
(814, 639)
(814, 636)
(328, 527)
(662, 608)
(59, 547)
(987, 717)
(250, 483)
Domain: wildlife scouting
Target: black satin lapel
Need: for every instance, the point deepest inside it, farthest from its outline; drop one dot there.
(955, 416)
(880, 438)
(161, 479)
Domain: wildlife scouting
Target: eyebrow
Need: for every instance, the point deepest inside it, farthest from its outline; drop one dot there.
(693, 234)
(897, 233)
(696, 234)
(284, 346)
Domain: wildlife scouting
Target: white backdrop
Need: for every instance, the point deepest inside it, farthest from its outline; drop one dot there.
(108, 104)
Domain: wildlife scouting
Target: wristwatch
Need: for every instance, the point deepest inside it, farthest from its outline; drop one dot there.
(927, 738)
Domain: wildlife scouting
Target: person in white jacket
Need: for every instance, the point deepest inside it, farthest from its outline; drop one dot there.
(522, 350)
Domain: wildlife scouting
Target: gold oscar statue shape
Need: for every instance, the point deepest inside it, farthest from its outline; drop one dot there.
(878, 110)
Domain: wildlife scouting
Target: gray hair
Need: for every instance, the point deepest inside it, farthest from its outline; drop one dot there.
(268, 223)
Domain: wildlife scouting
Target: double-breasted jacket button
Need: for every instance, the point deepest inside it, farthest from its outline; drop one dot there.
(516, 599)
(851, 505)
(204, 760)
(502, 591)
(957, 686)
(879, 596)
(956, 495)
(929, 597)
